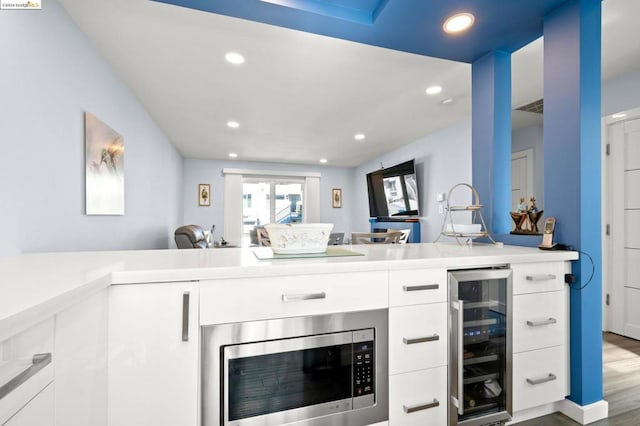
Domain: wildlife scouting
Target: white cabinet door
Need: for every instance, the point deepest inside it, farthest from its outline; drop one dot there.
(81, 362)
(153, 355)
(38, 412)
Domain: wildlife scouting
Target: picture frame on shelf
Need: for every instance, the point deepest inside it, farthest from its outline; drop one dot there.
(336, 198)
(204, 194)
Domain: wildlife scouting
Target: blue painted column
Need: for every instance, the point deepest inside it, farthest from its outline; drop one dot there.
(572, 174)
(491, 137)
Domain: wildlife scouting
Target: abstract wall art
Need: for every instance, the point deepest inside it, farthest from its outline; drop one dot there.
(104, 162)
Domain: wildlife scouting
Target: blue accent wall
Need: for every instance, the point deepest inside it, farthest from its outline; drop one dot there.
(572, 150)
(491, 137)
(572, 163)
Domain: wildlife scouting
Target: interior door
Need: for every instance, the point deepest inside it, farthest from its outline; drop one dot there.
(521, 176)
(624, 219)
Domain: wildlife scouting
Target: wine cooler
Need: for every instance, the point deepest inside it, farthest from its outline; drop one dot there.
(480, 339)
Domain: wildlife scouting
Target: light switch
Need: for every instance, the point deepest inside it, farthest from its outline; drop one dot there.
(441, 197)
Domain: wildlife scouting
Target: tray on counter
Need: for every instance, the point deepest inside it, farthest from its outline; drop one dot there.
(265, 253)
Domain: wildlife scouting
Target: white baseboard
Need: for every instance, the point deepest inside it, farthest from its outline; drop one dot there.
(585, 414)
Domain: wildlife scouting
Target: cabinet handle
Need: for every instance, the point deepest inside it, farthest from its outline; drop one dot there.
(541, 322)
(541, 277)
(407, 341)
(185, 316)
(551, 377)
(307, 296)
(38, 362)
(420, 287)
(419, 407)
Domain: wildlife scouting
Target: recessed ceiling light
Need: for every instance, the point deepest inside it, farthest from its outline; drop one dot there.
(359, 136)
(233, 155)
(619, 115)
(323, 160)
(458, 23)
(447, 101)
(433, 90)
(233, 124)
(234, 58)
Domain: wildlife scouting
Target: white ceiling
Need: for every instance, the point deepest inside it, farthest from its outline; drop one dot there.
(299, 97)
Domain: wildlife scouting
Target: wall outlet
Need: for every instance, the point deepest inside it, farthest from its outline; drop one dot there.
(440, 209)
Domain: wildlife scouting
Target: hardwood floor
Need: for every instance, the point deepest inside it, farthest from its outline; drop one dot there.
(621, 359)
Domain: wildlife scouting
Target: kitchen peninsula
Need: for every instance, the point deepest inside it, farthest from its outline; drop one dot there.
(132, 334)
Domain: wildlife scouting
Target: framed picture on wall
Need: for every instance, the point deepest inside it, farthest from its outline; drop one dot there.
(336, 198)
(204, 194)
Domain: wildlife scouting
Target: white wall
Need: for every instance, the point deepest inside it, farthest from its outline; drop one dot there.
(621, 93)
(51, 74)
(210, 171)
(443, 159)
(531, 138)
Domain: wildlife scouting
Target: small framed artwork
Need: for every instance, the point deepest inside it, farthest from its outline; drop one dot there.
(204, 194)
(336, 198)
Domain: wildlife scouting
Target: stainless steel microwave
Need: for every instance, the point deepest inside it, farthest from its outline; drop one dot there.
(315, 370)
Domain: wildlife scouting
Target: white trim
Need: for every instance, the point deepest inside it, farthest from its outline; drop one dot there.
(251, 172)
(585, 414)
(534, 412)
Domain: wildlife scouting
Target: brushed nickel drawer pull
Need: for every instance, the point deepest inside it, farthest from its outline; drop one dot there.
(420, 287)
(185, 316)
(551, 377)
(38, 362)
(408, 341)
(306, 296)
(419, 407)
(541, 322)
(541, 277)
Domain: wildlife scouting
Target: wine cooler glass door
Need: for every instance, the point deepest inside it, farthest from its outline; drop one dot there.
(480, 380)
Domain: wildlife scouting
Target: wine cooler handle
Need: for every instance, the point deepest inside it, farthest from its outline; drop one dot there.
(419, 407)
(458, 305)
(549, 378)
(541, 322)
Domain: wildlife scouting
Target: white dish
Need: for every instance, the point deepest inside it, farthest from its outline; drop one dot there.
(299, 238)
(464, 228)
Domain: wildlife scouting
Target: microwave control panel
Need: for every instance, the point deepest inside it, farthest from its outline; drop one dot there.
(363, 368)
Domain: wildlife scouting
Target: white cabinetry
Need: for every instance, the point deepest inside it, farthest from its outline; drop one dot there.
(418, 347)
(153, 355)
(248, 299)
(38, 412)
(540, 332)
(81, 363)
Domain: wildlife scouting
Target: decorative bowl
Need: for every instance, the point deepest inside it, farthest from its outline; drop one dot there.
(299, 238)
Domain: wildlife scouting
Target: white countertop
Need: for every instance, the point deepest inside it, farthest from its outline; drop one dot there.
(36, 286)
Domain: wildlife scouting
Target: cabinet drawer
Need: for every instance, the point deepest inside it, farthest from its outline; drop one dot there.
(246, 299)
(30, 355)
(537, 277)
(539, 377)
(419, 398)
(539, 320)
(416, 286)
(39, 411)
(418, 337)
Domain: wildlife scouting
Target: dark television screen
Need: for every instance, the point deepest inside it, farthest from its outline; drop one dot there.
(393, 191)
